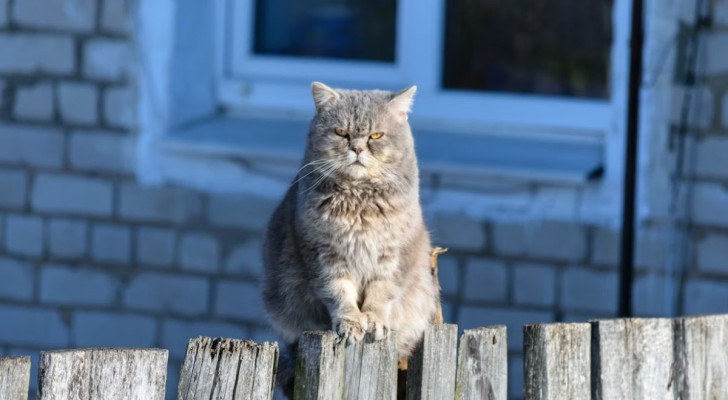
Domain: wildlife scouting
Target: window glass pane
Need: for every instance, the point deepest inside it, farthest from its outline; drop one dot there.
(348, 29)
(552, 47)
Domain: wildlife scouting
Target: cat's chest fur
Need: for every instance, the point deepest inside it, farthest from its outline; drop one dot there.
(364, 228)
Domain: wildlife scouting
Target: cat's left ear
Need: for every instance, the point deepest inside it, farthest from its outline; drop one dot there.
(401, 102)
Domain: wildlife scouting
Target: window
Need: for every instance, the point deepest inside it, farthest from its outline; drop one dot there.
(548, 47)
(351, 30)
(513, 65)
(545, 115)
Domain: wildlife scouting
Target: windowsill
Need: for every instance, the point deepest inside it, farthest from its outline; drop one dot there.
(553, 160)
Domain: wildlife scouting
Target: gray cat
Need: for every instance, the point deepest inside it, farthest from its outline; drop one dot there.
(347, 248)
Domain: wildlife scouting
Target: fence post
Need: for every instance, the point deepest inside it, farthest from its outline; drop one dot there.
(483, 364)
(120, 374)
(701, 357)
(14, 378)
(556, 361)
(319, 367)
(227, 369)
(431, 369)
(633, 358)
(370, 369)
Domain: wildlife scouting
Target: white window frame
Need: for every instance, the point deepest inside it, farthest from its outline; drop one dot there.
(255, 83)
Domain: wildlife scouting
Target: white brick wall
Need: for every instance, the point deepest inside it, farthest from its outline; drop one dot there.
(106, 59)
(716, 59)
(119, 107)
(61, 284)
(72, 195)
(102, 151)
(31, 146)
(712, 254)
(3, 12)
(14, 188)
(68, 15)
(78, 103)
(67, 238)
(40, 53)
(709, 204)
(24, 235)
(34, 102)
(114, 16)
(724, 117)
(199, 252)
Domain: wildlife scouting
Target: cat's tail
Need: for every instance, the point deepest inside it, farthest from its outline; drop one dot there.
(287, 368)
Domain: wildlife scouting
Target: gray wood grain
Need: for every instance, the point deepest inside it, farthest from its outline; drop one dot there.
(701, 353)
(431, 369)
(633, 359)
(319, 367)
(370, 369)
(14, 378)
(557, 361)
(483, 364)
(102, 374)
(227, 369)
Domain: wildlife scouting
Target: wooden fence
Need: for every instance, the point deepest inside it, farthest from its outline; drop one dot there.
(684, 358)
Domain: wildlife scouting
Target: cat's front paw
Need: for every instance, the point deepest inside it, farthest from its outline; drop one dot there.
(352, 326)
(377, 325)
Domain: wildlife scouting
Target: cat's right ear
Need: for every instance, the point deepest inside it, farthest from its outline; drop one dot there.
(322, 95)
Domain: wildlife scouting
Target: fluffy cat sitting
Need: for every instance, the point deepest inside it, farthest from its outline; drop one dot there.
(347, 248)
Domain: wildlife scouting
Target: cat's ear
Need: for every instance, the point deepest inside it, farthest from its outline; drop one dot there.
(401, 102)
(322, 95)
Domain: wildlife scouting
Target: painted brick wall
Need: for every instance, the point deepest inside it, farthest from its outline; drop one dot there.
(89, 257)
(706, 289)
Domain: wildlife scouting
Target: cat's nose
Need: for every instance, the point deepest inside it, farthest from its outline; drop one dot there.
(357, 150)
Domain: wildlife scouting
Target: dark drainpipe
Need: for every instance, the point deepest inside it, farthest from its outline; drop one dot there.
(626, 276)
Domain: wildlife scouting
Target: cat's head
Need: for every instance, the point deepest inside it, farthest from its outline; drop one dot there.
(361, 134)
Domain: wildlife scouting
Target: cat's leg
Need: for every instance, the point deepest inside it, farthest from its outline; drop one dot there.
(378, 298)
(341, 298)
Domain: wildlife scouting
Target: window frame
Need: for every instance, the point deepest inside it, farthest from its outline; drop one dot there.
(256, 83)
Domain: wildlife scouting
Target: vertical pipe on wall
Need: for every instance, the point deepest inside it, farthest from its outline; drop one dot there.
(626, 276)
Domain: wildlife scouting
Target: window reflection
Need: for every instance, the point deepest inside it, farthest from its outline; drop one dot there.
(553, 47)
(344, 29)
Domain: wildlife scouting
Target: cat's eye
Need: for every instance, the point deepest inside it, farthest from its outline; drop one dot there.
(376, 135)
(340, 132)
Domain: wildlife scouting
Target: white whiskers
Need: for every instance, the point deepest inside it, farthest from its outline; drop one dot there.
(317, 166)
(326, 172)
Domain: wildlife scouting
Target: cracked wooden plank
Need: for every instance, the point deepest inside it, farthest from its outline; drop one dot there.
(14, 378)
(227, 369)
(118, 374)
(370, 369)
(319, 367)
(557, 361)
(633, 358)
(431, 369)
(701, 357)
(483, 364)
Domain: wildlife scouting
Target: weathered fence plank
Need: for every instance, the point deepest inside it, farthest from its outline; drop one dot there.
(14, 378)
(633, 358)
(557, 361)
(227, 369)
(113, 374)
(370, 369)
(701, 357)
(319, 367)
(483, 364)
(431, 369)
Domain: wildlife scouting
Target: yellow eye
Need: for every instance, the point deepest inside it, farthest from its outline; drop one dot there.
(376, 135)
(339, 131)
